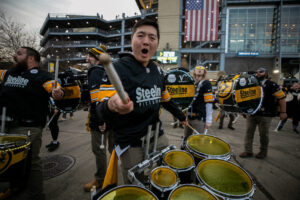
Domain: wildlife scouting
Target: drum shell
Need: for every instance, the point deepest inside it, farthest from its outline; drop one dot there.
(121, 189)
(220, 194)
(72, 94)
(198, 156)
(185, 174)
(240, 93)
(15, 158)
(163, 192)
(203, 190)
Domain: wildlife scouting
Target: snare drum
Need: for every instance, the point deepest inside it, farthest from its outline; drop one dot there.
(72, 94)
(225, 179)
(163, 180)
(126, 192)
(182, 162)
(191, 192)
(13, 150)
(207, 146)
(240, 93)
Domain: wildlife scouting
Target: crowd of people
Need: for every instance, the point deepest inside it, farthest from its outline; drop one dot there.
(25, 91)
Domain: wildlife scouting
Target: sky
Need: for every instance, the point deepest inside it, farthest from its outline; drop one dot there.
(33, 13)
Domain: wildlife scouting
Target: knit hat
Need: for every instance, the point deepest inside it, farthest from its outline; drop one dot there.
(96, 51)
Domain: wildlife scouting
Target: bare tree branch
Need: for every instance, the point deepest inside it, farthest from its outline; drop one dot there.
(13, 35)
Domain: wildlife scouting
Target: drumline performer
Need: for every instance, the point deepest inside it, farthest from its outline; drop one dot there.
(199, 113)
(292, 107)
(143, 81)
(25, 92)
(263, 117)
(96, 126)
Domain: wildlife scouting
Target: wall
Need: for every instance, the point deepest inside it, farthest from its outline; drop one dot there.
(168, 15)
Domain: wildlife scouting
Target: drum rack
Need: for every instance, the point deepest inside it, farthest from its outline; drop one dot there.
(153, 159)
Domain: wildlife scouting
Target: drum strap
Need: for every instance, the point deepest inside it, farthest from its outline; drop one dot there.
(195, 97)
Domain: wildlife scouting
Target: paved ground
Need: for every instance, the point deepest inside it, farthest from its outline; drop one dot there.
(276, 177)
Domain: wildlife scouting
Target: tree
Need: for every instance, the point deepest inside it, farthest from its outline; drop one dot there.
(13, 35)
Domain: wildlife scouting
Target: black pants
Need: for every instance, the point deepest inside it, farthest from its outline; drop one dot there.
(53, 124)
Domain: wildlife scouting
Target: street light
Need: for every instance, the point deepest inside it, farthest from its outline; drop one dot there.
(48, 59)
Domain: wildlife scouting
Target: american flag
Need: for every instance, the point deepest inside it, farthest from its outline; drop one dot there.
(201, 20)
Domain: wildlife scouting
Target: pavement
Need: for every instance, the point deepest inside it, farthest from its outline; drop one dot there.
(276, 177)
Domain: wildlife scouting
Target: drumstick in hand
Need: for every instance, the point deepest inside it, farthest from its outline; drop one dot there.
(105, 60)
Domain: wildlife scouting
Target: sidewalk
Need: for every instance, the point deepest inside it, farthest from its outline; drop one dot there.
(277, 176)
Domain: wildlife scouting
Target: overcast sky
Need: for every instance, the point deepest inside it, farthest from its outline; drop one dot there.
(33, 13)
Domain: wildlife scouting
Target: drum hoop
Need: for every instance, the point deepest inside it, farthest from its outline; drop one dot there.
(222, 194)
(209, 155)
(12, 146)
(180, 169)
(164, 189)
(192, 185)
(129, 186)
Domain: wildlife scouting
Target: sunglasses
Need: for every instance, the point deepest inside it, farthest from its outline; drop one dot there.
(200, 67)
(260, 71)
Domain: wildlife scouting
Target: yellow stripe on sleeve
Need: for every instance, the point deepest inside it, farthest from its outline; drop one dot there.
(48, 85)
(2, 74)
(165, 96)
(279, 94)
(208, 97)
(105, 92)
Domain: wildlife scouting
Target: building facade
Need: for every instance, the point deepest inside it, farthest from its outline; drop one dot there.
(252, 33)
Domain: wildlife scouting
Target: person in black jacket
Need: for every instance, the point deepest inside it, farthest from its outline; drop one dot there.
(96, 126)
(25, 93)
(199, 113)
(263, 117)
(143, 81)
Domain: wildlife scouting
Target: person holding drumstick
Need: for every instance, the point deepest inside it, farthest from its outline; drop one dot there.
(96, 126)
(25, 93)
(199, 113)
(143, 82)
(263, 117)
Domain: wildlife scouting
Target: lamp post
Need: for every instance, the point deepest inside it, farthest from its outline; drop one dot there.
(48, 59)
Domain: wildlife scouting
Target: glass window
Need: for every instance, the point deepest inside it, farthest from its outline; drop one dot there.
(253, 31)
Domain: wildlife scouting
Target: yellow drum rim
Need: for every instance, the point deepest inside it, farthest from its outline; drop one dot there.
(178, 159)
(164, 177)
(208, 145)
(224, 177)
(128, 192)
(193, 192)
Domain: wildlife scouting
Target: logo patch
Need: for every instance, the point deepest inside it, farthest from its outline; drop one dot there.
(34, 71)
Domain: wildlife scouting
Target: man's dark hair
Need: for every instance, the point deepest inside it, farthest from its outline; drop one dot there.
(146, 22)
(32, 52)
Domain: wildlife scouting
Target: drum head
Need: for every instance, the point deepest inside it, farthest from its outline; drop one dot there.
(191, 192)
(163, 177)
(224, 177)
(178, 159)
(208, 145)
(8, 141)
(180, 85)
(127, 192)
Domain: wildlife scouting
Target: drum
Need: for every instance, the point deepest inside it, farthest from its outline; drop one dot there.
(240, 93)
(163, 180)
(207, 146)
(180, 85)
(225, 179)
(182, 162)
(13, 153)
(191, 192)
(72, 95)
(126, 192)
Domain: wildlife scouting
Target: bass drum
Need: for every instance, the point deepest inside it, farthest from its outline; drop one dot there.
(72, 94)
(240, 93)
(180, 85)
